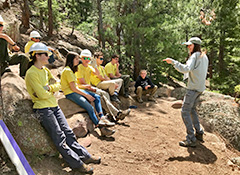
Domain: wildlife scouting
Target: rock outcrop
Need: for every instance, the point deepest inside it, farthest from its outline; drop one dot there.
(20, 120)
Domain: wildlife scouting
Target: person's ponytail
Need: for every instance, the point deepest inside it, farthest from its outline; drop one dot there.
(33, 59)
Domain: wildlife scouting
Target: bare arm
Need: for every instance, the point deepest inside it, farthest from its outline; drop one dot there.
(10, 41)
(75, 89)
(117, 72)
(85, 85)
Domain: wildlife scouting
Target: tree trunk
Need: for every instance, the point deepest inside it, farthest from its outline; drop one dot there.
(118, 32)
(50, 18)
(100, 24)
(41, 19)
(25, 14)
(137, 56)
(72, 30)
(221, 54)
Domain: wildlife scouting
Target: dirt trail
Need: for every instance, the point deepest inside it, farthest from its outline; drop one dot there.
(146, 143)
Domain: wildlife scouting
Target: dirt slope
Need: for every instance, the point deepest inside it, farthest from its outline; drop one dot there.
(146, 143)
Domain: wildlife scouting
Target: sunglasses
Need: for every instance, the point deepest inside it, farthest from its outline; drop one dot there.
(46, 54)
(101, 59)
(86, 58)
(38, 38)
(1, 25)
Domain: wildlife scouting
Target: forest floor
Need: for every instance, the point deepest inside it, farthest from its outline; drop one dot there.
(146, 143)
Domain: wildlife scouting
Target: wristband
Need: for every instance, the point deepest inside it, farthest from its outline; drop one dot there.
(14, 44)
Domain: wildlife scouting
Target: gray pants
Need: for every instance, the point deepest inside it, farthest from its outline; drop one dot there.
(189, 114)
(55, 123)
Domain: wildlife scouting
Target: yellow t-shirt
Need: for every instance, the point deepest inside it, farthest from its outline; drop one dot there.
(35, 80)
(94, 79)
(84, 72)
(111, 69)
(67, 77)
(28, 45)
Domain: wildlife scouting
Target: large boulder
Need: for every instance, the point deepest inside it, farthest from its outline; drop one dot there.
(68, 107)
(20, 119)
(222, 114)
(164, 91)
(80, 124)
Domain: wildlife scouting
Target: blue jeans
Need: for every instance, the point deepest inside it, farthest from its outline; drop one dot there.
(55, 123)
(84, 103)
(189, 114)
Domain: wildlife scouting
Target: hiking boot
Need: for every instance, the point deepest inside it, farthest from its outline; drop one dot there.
(139, 100)
(199, 137)
(122, 114)
(106, 132)
(186, 143)
(84, 169)
(93, 160)
(115, 98)
(105, 122)
(151, 99)
(126, 95)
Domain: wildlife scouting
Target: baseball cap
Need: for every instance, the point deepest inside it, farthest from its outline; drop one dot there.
(193, 40)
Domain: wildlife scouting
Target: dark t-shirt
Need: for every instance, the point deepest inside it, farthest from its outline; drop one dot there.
(143, 82)
(3, 51)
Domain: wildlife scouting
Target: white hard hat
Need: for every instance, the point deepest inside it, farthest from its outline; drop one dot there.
(1, 20)
(39, 48)
(86, 53)
(34, 34)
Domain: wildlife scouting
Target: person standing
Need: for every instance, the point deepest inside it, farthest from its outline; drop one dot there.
(144, 85)
(6, 57)
(196, 70)
(112, 70)
(50, 114)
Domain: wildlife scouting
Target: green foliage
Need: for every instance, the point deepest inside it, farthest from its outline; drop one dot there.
(237, 90)
(78, 11)
(150, 30)
(42, 5)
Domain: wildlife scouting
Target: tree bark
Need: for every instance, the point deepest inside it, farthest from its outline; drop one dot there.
(100, 25)
(41, 19)
(221, 53)
(25, 14)
(137, 56)
(50, 18)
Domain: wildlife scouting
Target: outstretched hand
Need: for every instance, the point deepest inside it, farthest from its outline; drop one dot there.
(168, 60)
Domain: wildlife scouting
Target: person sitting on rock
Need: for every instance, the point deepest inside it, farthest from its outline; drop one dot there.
(50, 114)
(6, 57)
(144, 85)
(102, 81)
(34, 38)
(82, 97)
(84, 73)
(112, 70)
